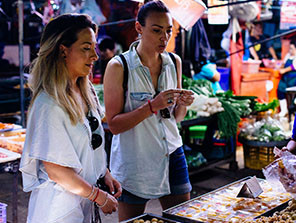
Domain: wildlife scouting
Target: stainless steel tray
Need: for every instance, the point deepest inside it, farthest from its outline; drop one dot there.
(149, 216)
(172, 212)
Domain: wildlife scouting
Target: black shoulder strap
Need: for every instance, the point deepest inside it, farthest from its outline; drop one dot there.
(173, 59)
(125, 77)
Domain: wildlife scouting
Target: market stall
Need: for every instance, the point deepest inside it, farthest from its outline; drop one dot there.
(249, 199)
(12, 138)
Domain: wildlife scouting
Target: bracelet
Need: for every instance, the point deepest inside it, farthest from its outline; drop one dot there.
(150, 106)
(106, 201)
(91, 193)
(97, 194)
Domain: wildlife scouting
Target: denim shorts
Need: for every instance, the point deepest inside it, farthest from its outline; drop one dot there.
(178, 179)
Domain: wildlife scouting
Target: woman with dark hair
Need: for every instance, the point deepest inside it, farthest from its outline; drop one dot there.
(142, 111)
(64, 149)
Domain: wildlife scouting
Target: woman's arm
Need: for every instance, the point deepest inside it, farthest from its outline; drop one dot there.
(272, 53)
(254, 53)
(216, 77)
(285, 70)
(186, 98)
(114, 98)
(291, 146)
(68, 179)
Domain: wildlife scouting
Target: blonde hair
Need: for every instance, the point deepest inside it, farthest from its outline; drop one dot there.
(48, 72)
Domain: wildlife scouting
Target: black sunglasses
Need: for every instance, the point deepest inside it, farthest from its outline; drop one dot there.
(96, 139)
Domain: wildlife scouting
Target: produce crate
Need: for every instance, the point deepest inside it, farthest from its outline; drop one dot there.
(197, 131)
(259, 154)
(149, 217)
(3, 213)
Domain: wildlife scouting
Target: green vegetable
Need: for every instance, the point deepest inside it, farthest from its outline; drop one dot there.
(200, 86)
(259, 107)
(228, 119)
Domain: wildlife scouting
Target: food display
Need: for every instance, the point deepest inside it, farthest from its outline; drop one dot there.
(149, 218)
(6, 155)
(287, 215)
(13, 140)
(223, 205)
(6, 126)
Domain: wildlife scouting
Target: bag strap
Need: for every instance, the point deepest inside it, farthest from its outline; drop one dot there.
(125, 73)
(174, 60)
(125, 77)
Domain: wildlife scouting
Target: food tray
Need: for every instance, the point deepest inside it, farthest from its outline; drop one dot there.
(149, 216)
(221, 205)
(6, 155)
(273, 210)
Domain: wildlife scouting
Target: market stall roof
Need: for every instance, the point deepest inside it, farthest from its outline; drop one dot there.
(186, 13)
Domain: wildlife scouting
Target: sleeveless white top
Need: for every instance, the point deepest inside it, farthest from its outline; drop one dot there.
(140, 156)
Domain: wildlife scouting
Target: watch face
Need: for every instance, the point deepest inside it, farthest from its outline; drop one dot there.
(165, 113)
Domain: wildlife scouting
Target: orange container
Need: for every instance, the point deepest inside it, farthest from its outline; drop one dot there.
(275, 77)
(251, 66)
(254, 84)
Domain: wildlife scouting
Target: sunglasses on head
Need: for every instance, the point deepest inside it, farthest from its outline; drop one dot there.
(96, 139)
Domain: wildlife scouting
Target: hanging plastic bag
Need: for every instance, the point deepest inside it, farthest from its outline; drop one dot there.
(281, 173)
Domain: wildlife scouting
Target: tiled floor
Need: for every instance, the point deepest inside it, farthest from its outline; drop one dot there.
(202, 183)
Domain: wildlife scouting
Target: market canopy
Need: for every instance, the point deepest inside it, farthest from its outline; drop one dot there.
(186, 12)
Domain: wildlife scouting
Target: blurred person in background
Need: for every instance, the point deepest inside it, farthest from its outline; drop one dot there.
(107, 51)
(260, 50)
(209, 72)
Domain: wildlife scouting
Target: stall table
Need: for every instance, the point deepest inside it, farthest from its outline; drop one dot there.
(12, 166)
(211, 123)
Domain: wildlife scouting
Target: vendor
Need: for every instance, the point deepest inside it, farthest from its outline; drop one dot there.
(107, 51)
(291, 146)
(288, 77)
(209, 72)
(261, 50)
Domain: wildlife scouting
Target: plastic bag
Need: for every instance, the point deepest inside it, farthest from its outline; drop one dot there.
(281, 173)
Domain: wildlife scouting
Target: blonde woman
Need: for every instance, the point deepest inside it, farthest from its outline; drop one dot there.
(64, 149)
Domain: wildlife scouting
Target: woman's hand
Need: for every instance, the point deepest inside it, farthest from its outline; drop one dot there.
(186, 98)
(113, 184)
(106, 202)
(165, 99)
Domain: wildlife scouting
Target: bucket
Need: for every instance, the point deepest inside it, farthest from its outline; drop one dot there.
(225, 77)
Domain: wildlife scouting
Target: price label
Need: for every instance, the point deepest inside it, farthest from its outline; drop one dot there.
(250, 189)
